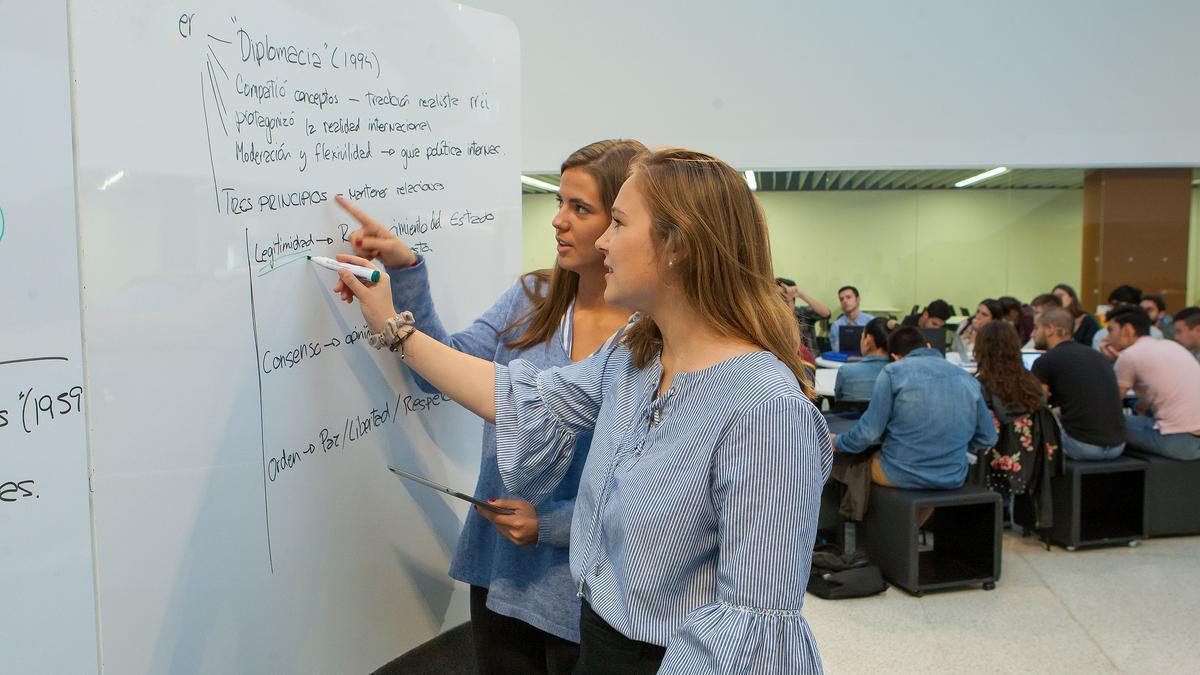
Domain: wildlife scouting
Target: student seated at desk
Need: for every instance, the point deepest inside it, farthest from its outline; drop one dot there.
(1083, 386)
(852, 314)
(1026, 431)
(1166, 380)
(927, 413)
(806, 317)
(856, 381)
(1156, 309)
(935, 315)
(1086, 325)
(1121, 297)
(1020, 316)
(1009, 389)
(1187, 329)
(989, 310)
(1039, 305)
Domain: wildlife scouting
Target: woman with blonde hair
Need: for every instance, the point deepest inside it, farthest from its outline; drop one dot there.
(697, 509)
(524, 610)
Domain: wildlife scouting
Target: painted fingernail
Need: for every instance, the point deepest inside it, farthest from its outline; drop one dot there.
(492, 499)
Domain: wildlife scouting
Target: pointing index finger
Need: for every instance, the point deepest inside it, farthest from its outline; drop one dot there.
(357, 213)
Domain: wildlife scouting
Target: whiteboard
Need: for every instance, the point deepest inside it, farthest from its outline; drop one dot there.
(780, 84)
(46, 582)
(240, 427)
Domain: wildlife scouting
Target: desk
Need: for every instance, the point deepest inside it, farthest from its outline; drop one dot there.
(824, 381)
(952, 357)
(970, 366)
(892, 312)
(826, 363)
(954, 322)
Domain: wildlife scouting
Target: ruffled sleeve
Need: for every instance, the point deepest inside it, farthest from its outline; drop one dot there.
(767, 477)
(538, 415)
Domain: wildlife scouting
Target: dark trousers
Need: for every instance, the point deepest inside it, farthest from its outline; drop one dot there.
(504, 645)
(604, 651)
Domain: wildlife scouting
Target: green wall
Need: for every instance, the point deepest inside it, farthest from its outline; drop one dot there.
(902, 248)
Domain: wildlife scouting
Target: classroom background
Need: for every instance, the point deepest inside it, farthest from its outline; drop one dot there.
(905, 238)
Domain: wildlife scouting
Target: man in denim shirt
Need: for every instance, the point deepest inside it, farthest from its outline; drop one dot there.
(927, 412)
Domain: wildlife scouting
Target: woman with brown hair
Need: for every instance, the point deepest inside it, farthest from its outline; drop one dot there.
(989, 310)
(697, 509)
(1028, 436)
(524, 610)
(1008, 387)
(1086, 325)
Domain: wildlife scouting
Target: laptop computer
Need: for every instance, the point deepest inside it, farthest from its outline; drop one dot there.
(1029, 357)
(936, 337)
(850, 339)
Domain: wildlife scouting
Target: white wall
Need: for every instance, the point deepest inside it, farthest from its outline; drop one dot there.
(875, 83)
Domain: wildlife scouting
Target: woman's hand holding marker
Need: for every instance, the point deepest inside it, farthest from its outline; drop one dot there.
(376, 298)
(374, 241)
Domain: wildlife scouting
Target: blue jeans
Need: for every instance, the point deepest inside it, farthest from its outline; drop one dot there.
(1077, 449)
(1140, 434)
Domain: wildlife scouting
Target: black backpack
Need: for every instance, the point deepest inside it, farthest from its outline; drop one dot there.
(837, 576)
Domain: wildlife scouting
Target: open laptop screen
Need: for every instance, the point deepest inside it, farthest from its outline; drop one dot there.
(849, 339)
(936, 337)
(1029, 357)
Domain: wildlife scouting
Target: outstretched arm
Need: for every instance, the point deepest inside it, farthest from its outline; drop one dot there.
(470, 381)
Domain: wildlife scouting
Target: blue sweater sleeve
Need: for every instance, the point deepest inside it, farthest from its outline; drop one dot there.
(482, 339)
(554, 522)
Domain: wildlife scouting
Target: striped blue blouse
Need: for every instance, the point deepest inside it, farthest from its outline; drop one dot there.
(697, 510)
(529, 583)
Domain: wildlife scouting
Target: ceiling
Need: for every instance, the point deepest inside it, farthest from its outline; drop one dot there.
(911, 179)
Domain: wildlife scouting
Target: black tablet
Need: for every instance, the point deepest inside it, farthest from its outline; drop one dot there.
(453, 493)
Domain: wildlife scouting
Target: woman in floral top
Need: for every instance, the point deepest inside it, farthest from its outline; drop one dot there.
(1015, 398)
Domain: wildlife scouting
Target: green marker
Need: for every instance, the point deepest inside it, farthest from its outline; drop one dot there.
(364, 273)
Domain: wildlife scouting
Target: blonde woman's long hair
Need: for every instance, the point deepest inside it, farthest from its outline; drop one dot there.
(705, 216)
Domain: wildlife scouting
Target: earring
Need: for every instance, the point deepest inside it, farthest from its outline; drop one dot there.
(670, 263)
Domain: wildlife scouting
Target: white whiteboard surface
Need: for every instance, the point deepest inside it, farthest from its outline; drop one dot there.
(239, 532)
(48, 620)
(781, 84)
